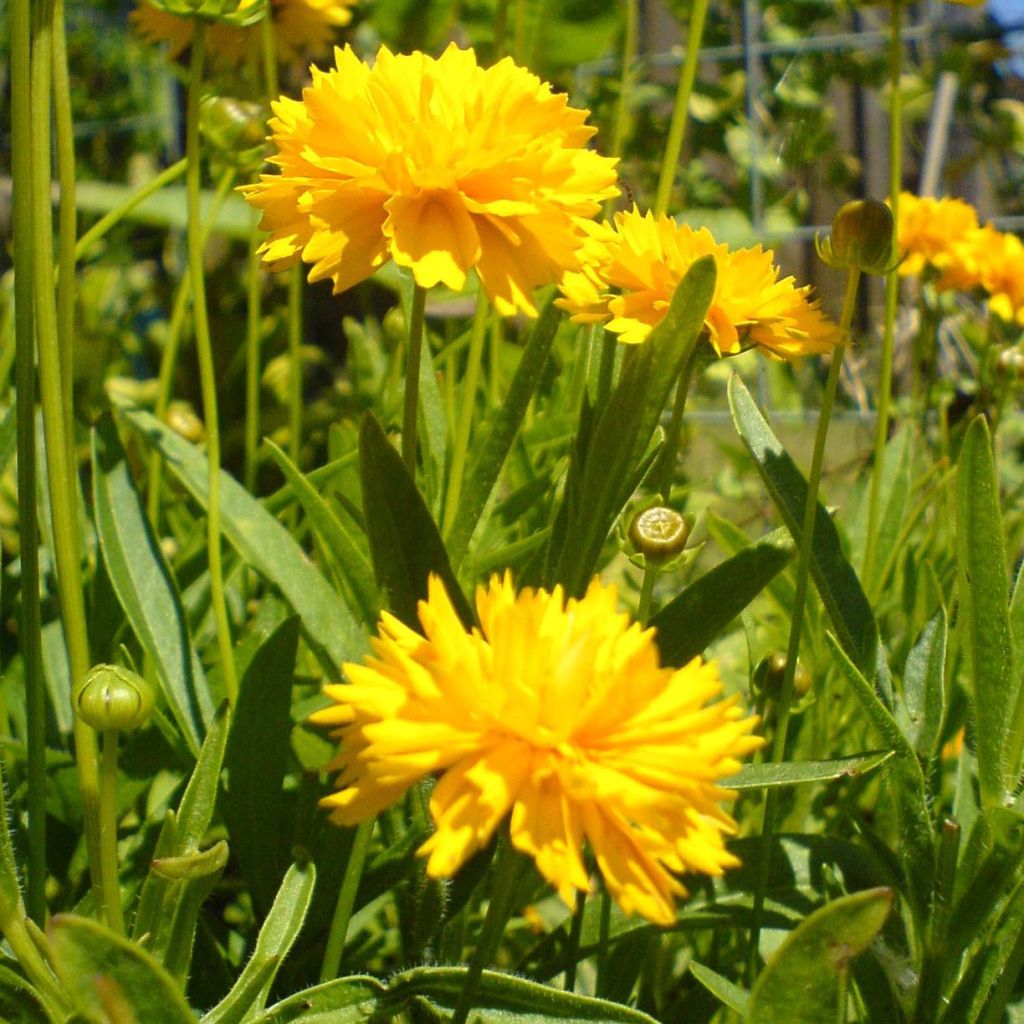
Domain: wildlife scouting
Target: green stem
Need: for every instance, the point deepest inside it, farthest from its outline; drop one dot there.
(412, 378)
(667, 466)
(603, 937)
(28, 524)
(643, 609)
(503, 887)
(622, 118)
(172, 346)
(466, 409)
(207, 373)
(60, 470)
(268, 47)
(253, 321)
(892, 283)
(606, 367)
(500, 28)
(114, 217)
(108, 831)
(803, 569)
(67, 225)
(680, 113)
(295, 363)
(346, 901)
(573, 950)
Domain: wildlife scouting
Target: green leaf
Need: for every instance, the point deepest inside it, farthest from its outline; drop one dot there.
(356, 568)
(343, 1001)
(256, 761)
(795, 773)
(727, 993)
(279, 932)
(404, 540)
(86, 954)
(433, 428)
(144, 586)
(500, 996)
(692, 619)
(922, 709)
(504, 426)
(19, 1001)
(909, 788)
(264, 544)
(801, 982)
(984, 619)
(836, 581)
(623, 431)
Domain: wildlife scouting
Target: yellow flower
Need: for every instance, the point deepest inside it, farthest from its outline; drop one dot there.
(645, 258)
(998, 259)
(438, 164)
(929, 230)
(301, 28)
(556, 715)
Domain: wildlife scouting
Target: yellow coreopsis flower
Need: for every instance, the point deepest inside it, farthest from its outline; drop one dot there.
(556, 715)
(438, 164)
(643, 258)
(928, 232)
(302, 28)
(998, 259)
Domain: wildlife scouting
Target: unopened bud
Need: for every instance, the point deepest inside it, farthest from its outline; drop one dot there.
(182, 419)
(1010, 364)
(229, 12)
(862, 238)
(112, 697)
(771, 672)
(659, 533)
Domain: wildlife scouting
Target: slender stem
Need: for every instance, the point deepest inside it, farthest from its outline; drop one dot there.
(108, 831)
(497, 336)
(346, 901)
(603, 937)
(680, 113)
(412, 378)
(606, 367)
(253, 325)
(892, 283)
(60, 471)
(573, 951)
(207, 373)
(67, 229)
(669, 454)
(295, 362)
(30, 625)
(466, 408)
(172, 346)
(643, 610)
(500, 28)
(268, 47)
(629, 41)
(114, 217)
(503, 886)
(785, 700)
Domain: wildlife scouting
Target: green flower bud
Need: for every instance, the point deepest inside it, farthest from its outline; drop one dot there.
(863, 238)
(1010, 364)
(182, 419)
(235, 131)
(229, 12)
(112, 697)
(659, 533)
(770, 673)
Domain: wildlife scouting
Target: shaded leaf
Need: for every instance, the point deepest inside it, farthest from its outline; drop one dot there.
(795, 773)
(923, 708)
(725, 991)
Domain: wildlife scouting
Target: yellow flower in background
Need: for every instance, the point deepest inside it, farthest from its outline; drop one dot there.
(557, 715)
(644, 258)
(928, 231)
(302, 28)
(438, 164)
(999, 259)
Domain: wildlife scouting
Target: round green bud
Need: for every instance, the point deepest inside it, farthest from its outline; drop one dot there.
(229, 12)
(863, 238)
(659, 533)
(771, 672)
(182, 419)
(112, 697)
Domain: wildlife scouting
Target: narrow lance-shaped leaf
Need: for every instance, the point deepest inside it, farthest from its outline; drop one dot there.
(984, 619)
(143, 584)
(835, 578)
(923, 707)
(497, 443)
(795, 773)
(264, 544)
(623, 431)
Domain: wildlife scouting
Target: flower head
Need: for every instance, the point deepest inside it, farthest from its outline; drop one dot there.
(301, 28)
(929, 231)
(556, 715)
(438, 164)
(645, 258)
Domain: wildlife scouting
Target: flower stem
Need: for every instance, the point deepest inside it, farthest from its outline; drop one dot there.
(573, 951)
(466, 407)
(622, 119)
(28, 522)
(346, 901)
(503, 887)
(892, 281)
(207, 373)
(67, 229)
(60, 468)
(606, 367)
(114, 217)
(412, 378)
(253, 316)
(603, 938)
(803, 569)
(108, 831)
(295, 361)
(680, 113)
